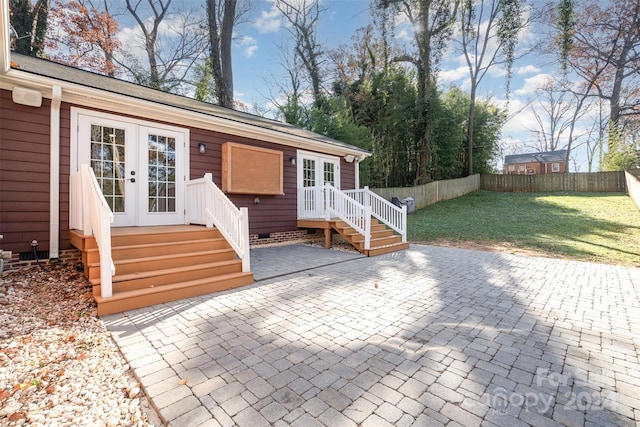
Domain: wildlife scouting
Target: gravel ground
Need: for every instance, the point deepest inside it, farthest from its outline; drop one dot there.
(58, 363)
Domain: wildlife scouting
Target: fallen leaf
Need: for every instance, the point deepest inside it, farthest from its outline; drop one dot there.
(4, 395)
(375, 286)
(60, 373)
(82, 356)
(182, 382)
(50, 389)
(14, 65)
(20, 415)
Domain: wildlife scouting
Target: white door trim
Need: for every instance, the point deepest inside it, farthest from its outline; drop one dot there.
(80, 152)
(320, 160)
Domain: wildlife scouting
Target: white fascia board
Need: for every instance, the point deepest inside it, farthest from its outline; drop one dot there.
(116, 103)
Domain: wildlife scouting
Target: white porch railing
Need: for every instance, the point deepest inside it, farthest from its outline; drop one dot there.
(355, 207)
(90, 214)
(348, 210)
(311, 202)
(208, 205)
(382, 209)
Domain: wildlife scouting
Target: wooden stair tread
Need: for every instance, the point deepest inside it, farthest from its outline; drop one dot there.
(172, 286)
(166, 257)
(382, 239)
(145, 297)
(175, 270)
(160, 244)
(385, 249)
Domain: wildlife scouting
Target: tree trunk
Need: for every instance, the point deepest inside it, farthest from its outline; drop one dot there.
(220, 37)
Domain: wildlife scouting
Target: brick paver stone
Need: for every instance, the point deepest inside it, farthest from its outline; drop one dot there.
(427, 336)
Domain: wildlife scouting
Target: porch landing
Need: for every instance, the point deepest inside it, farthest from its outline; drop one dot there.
(383, 239)
(161, 264)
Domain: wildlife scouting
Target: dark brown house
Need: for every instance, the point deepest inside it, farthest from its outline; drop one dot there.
(536, 163)
(161, 194)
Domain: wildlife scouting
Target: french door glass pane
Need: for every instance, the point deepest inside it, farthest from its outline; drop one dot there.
(107, 161)
(308, 173)
(162, 173)
(329, 173)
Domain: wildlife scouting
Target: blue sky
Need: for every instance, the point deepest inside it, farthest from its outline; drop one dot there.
(257, 64)
(258, 71)
(256, 56)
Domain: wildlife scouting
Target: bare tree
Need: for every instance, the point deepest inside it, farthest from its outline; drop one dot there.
(605, 53)
(88, 33)
(172, 42)
(303, 16)
(553, 110)
(489, 33)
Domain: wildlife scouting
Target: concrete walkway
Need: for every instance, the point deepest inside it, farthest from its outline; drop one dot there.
(429, 336)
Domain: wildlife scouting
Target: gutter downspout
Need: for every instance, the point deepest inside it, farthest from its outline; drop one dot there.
(54, 174)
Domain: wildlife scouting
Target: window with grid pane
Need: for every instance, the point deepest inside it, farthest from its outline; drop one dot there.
(107, 162)
(162, 173)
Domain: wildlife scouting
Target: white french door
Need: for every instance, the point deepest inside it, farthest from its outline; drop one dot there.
(139, 166)
(314, 171)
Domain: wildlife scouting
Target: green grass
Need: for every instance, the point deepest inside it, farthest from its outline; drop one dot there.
(594, 227)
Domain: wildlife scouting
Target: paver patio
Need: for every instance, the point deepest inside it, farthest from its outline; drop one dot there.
(428, 336)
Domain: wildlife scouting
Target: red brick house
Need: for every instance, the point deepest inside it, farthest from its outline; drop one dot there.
(536, 163)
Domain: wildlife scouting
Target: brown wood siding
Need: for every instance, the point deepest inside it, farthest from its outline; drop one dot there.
(24, 175)
(347, 175)
(65, 170)
(274, 213)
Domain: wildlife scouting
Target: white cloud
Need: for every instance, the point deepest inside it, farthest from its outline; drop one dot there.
(248, 45)
(531, 84)
(269, 21)
(453, 75)
(526, 69)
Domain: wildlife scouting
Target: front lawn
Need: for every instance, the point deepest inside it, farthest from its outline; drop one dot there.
(598, 227)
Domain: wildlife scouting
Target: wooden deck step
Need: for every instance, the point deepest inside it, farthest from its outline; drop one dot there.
(145, 297)
(161, 264)
(381, 250)
(154, 263)
(383, 240)
(150, 279)
(164, 248)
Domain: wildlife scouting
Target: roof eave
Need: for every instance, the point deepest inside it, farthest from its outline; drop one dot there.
(97, 98)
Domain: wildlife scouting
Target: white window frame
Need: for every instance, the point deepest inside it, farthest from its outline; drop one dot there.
(320, 160)
(555, 167)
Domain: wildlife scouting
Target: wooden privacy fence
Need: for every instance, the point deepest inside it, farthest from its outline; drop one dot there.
(633, 185)
(433, 192)
(596, 182)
